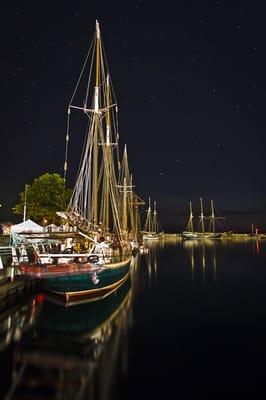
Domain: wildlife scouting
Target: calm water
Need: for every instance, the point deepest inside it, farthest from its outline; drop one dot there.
(191, 322)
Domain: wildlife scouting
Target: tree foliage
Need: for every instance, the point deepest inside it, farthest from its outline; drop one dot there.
(46, 195)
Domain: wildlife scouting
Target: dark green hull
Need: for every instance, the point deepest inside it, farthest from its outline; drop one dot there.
(71, 289)
(81, 318)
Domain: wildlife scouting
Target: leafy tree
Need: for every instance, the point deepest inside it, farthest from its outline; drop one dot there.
(46, 195)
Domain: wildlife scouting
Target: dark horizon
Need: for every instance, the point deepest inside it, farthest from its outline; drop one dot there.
(191, 89)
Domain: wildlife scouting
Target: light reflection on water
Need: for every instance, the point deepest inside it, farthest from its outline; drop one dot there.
(187, 306)
(203, 254)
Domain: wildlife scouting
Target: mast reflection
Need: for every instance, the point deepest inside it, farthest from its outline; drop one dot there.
(202, 255)
(256, 247)
(151, 261)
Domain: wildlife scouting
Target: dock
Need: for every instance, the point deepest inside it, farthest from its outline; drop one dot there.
(12, 293)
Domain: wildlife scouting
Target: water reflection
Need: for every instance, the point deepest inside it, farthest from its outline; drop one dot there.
(151, 261)
(71, 353)
(256, 247)
(15, 322)
(202, 254)
(213, 288)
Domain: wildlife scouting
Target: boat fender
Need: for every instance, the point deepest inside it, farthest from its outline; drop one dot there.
(82, 260)
(93, 258)
(68, 250)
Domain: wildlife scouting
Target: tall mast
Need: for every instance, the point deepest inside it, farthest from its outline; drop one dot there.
(66, 145)
(96, 127)
(148, 219)
(202, 216)
(125, 182)
(252, 229)
(124, 224)
(190, 221)
(124, 168)
(212, 217)
(149, 212)
(136, 202)
(131, 207)
(108, 156)
(25, 204)
(154, 224)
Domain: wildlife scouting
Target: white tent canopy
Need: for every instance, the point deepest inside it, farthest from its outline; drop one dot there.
(27, 227)
(52, 228)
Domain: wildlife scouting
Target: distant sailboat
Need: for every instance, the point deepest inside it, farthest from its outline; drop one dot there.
(189, 232)
(151, 229)
(211, 233)
(131, 203)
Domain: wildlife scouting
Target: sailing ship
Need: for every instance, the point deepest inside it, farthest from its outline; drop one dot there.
(131, 203)
(213, 234)
(151, 228)
(190, 233)
(99, 205)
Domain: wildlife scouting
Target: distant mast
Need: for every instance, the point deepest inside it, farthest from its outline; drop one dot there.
(154, 224)
(25, 205)
(252, 229)
(190, 221)
(148, 219)
(202, 216)
(212, 217)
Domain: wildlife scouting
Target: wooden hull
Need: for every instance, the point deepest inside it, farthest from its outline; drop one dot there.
(54, 270)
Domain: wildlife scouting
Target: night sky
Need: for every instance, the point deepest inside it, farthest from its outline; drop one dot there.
(190, 81)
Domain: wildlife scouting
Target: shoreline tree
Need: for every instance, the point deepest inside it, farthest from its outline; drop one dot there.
(44, 197)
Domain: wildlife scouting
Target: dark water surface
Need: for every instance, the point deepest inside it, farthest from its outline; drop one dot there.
(190, 323)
